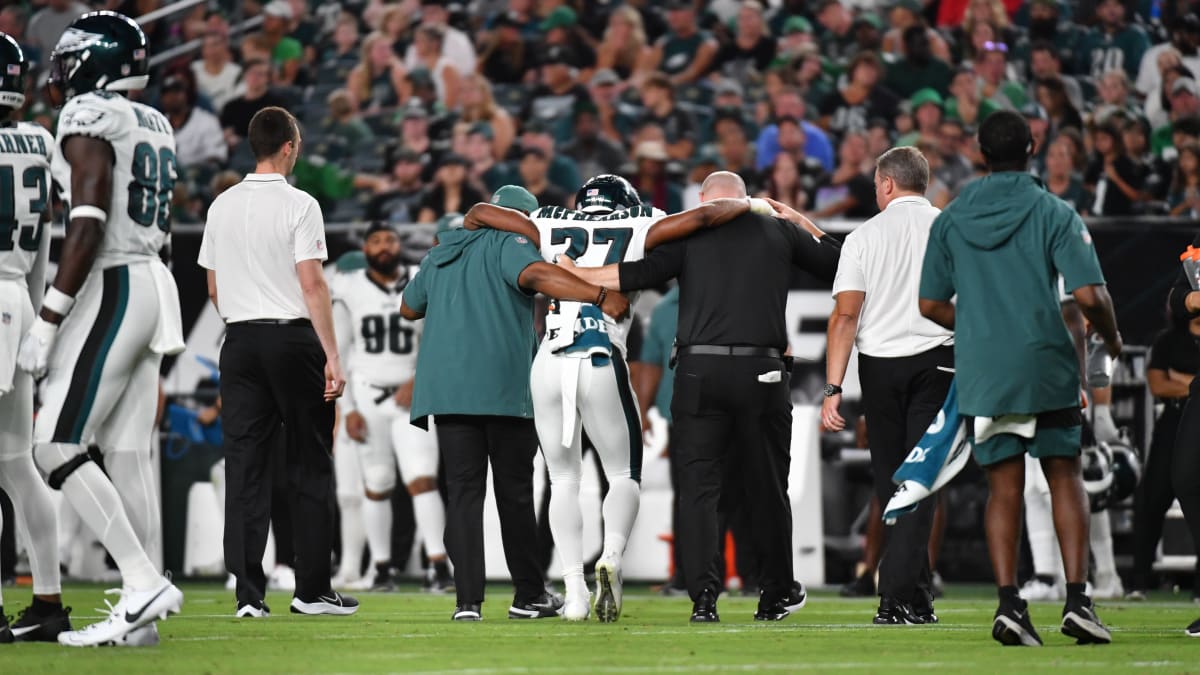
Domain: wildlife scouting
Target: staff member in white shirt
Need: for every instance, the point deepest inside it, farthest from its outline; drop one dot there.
(905, 364)
(263, 247)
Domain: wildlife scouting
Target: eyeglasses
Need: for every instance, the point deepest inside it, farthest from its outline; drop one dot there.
(990, 46)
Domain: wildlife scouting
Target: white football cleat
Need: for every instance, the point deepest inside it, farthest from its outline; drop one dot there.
(1108, 588)
(1036, 590)
(134, 610)
(608, 591)
(146, 636)
(283, 578)
(577, 606)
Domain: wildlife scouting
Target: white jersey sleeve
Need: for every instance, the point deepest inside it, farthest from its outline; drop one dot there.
(25, 154)
(144, 171)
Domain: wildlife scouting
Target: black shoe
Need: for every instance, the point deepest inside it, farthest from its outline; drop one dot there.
(861, 587)
(892, 612)
(333, 603)
(1012, 627)
(1080, 622)
(467, 613)
(1193, 630)
(704, 610)
(438, 579)
(253, 610)
(6, 636)
(545, 606)
(923, 607)
(385, 581)
(796, 598)
(40, 625)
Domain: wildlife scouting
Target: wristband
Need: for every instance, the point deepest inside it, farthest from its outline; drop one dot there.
(58, 302)
(89, 212)
(600, 298)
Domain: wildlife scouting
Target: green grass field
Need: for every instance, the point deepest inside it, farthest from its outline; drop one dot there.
(411, 632)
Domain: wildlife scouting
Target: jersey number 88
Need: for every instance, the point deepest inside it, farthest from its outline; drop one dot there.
(153, 181)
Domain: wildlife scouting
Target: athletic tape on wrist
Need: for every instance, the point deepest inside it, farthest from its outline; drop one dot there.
(58, 302)
(85, 211)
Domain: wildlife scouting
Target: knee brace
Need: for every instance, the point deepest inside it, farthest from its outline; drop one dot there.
(379, 479)
(57, 461)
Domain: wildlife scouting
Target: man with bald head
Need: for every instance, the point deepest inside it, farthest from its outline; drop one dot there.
(732, 406)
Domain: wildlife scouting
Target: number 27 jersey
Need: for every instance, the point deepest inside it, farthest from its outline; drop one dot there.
(143, 175)
(385, 343)
(595, 240)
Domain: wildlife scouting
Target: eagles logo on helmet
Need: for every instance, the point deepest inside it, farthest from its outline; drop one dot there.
(1111, 472)
(100, 51)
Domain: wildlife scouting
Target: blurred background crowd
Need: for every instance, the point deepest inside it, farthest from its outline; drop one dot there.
(416, 108)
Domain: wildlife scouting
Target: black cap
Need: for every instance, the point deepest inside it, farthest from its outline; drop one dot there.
(379, 226)
(408, 155)
(453, 158)
(509, 19)
(530, 150)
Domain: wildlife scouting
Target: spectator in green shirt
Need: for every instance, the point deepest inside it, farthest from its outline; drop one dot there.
(1001, 247)
(475, 291)
(286, 52)
(1112, 42)
(919, 69)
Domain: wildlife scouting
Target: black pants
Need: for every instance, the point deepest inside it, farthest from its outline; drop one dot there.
(901, 397)
(1154, 494)
(725, 418)
(274, 415)
(1185, 462)
(467, 443)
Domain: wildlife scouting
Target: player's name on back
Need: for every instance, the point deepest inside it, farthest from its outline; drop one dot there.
(152, 122)
(23, 144)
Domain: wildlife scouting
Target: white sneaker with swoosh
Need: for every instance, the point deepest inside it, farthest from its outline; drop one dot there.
(134, 610)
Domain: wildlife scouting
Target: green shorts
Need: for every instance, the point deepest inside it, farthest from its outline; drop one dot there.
(1051, 442)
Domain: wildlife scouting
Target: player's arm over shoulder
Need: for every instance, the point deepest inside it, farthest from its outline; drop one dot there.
(712, 213)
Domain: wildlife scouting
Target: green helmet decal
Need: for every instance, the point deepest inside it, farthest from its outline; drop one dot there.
(100, 51)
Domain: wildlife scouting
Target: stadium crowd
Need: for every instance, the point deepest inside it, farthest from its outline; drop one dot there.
(417, 108)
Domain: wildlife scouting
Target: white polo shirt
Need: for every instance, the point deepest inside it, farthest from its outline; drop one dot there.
(255, 234)
(883, 258)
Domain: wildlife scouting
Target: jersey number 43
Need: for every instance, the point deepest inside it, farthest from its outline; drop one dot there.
(31, 235)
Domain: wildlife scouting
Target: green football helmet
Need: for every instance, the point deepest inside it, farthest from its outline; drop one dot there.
(13, 69)
(100, 51)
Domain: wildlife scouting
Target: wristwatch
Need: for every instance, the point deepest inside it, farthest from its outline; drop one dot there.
(832, 390)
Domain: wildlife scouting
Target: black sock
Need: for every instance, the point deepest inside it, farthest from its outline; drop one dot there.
(1076, 591)
(1009, 596)
(1045, 579)
(45, 606)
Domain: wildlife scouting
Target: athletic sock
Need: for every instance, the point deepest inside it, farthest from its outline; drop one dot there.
(130, 472)
(377, 521)
(96, 501)
(44, 607)
(566, 522)
(574, 582)
(1100, 536)
(430, 515)
(620, 511)
(1043, 540)
(33, 506)
(1076, 592)
(1010, 596)
(353, 536)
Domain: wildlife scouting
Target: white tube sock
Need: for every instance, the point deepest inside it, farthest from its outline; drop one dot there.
(430, 514)
(620, 511)
(1100, 536)
(354, 536)
(1043, 540)
(133, 478)
(566, 523)
(377, 520)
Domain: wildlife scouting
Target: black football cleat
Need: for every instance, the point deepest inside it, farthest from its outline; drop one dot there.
(1080, 622)
(1193, 630)
(704, 610)
(892, 612)
(545, 606)
(42, 624)
(1012, 627)
(467, 613)
(385, 581)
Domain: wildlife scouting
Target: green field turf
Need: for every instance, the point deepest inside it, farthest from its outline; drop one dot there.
(411, 632)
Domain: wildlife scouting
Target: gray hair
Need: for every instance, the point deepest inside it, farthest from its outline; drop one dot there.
(907, 166)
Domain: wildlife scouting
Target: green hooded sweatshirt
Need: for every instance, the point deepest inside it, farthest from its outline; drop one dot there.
(478, 343)
(1001, 247)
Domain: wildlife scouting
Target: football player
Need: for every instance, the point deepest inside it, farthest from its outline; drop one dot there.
(25, 151)
(580, 379)
(381, 348)
(112, 312)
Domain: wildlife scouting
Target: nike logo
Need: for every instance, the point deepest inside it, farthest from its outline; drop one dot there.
(132, 617)
(18, 632)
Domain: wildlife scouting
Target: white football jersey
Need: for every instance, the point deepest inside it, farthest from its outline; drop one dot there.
(596, 240)
(144, 171)
(25, 152)
(384, 352)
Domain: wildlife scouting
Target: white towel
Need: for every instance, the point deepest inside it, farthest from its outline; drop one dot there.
(1024, 426)
(560, 325)
(168, 335)
(16, 315)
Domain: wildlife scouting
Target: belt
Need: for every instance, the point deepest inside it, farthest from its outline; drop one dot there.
(272, 322)
(723, 350)
(384, 392)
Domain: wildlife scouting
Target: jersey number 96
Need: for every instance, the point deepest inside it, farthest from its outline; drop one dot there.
(394, 335)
